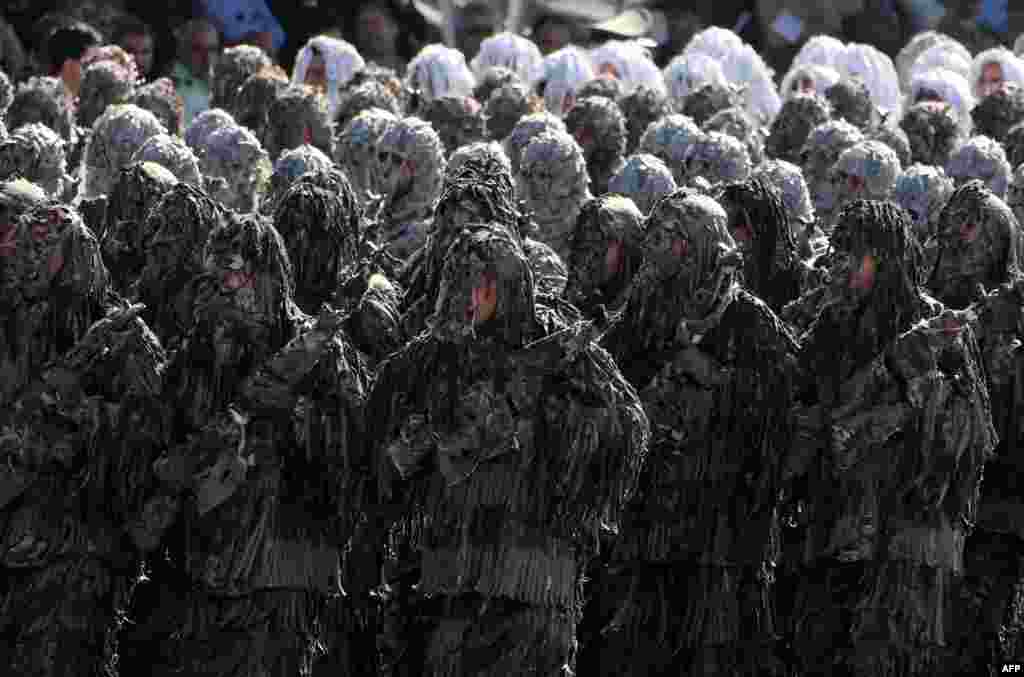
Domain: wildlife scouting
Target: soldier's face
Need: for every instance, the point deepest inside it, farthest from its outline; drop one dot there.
(966, 259)
(990, 80)
(316, 73)
(483, 305)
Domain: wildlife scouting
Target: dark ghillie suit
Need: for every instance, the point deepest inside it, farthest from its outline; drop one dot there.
(933, 131)
(1014, 145)
(257, 94)
(789, 131)
(370, 94)
(511, 443)
(233, 68)
(161, 99)
(299, 116)
(287, 169)
(824, 145)
(851, 101)
(116, 135)
(702, 103)
(493, 79)
(688, 586)
(892, 432)
(504, 108)
(35, 152)
(457, 121)
(895, 138)
(599, 127)
(641, 107)
(644, 179)
(996, 114)
(739, 124)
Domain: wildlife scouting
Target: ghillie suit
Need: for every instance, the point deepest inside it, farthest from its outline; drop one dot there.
(606, 253)
(438, 71)
(116, 135)
(629, 63)
(355, 152)
(481, 153)
(687, 73)
(603, 86)
(233, 68)
(923, 191)
(340, 61)
(553, 183)
(641, 107)
(178, 225)
(808, 79)
(800, 114)
(891, 431)
(1014, 145)
(737, 123)
(867, 64)
(644, 179)
(866, 171)
(525, 130)
(457, 120)
(1011, 71)
(125, 238)
(505, 107)
(103, 84)
(492, 80)
(43, 100)
(77, 449)
(895, 138)
(998, 112)
(668, 139)
(508, 51)
(824, 145)
(465, 409)
(565, 71)
(236, 170)
(6, 93)
(1015, 194)
(717, 158)
(411, 168)
(709, 99)
(162, 100)
(16, 197)
(947, 87)
(981, 158)
(322, 234)
(34, 152)
(255, 97)
(914, 48)
(599, 128)
(171, 153)
(759, 223)
(54, 286)
(688, 588)
(850, 100)
(290, 166)
(355, 100)
(932, 131)
(204, 124)
(788, 180)
(298, 116)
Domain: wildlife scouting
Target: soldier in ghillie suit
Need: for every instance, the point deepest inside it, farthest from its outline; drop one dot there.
(505, 106)
(933, 132)
(493, 79)
(702, 103)
(233, 68)
(668, 139)
(688, 587)
(738, 123)
(892, 428)
(525, 130)
(789, 131)
(44, 100)
(17, 196)
(824, 146)
(117, 134)
(895, 138)
(53, 286)
(866, 171)
(851, 101)
(717, 158)
(77, 449)
(603, 86)
(981, 158)
(34, 152)
(457, 121)
(287, 169)
(355, 152)
(370, 94)
(1015, 194)
(644, 179)
(996, 113)
(759, 223)
(923, 191)
(466, 409)
(641, 107)
(1013, 143)
(788, 179)
(236, 168)
(255, 97)
(299, 116)
(411, 165)
(103, 84)
(553, 183)
(204, 124)
(606, 253)
(161, 99)
(599, 127)
(125, 239)
(171, 153)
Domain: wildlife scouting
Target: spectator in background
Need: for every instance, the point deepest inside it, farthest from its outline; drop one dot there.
(65, 48)
(248, 22)
(198, 49)
(136, 38)
(552, 32)
(386, 33)
(475, 22)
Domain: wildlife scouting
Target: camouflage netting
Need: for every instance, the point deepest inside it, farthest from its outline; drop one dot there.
(171, 153)
(457, 120)
(6, 93)
(668, 139)
(386, 76)
(865, 171)
(290, 166)
(641, 107)
(162, 100)
(506, 106)
(932, 131)
(644, 179)
(341, 61)
(255, 97)
(1014, 145)
(488, 154)
(116, 135)
(851, 100)
(630, 63)
(599, 128)
(42, 100)
(322, 232)
(492, 79)
(604, 86)
(981, 158)
(370, 94)
(824, 145)
(355, 152)
(553, 183)
(234, 66)
(565, 71)
(125, 238)
(35, 152)
(525, 130)
(708, 99)
(438, 71)
(298, 116)
(103, 84)
(204, 124)
(923, 191)
(788, 179)
(689, 72)
(789, 131)
(946, 87)
(737, 123)
(808, 79)
(508, 51)
(235, 168)
(997, 113)
(717, 158)
(914, 48)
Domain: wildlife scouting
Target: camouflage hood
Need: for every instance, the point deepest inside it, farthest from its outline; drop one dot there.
(599, 128)
(235, 167)
(509, 50)
(980, 158)
(116, 136)
(439, 71)
(933, 132)
(668, 139)
(342, 62)
(356, 151)
(171, 153)
(204, 124)
(162, 100)
(234, 66)
(717, 158)
(923, 191)
(799, 115)
(644, 179)
(103, 84)
(525, 130)
(298, 116)
(506, 106)
(35, 152)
